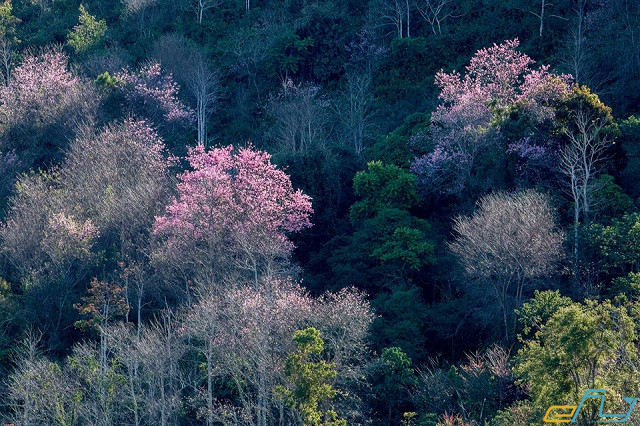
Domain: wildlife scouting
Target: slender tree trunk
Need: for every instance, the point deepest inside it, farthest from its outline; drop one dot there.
(133, 380)
(201, 114)
(408, 20)
(576, 224)
(139, 311)
(209, 383)
(103, 356)
(163, 399)
(505, 318)
(542, 7)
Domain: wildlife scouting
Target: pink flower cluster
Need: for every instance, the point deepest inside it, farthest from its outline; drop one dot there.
(467, 122)
(236, 193)
(40, 88)
(154, 91)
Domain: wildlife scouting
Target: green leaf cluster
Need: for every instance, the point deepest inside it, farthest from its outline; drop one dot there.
(88, 33)
(311, 379)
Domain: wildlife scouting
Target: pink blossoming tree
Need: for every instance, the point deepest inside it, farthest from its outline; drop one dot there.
(152, 93)
(41, 108)
(466, 125)
(233, 212)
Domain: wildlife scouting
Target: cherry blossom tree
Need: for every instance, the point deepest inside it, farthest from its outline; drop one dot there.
(42, 84)
(152, 93)
(42, 106)
(233, 211)
(466, 125)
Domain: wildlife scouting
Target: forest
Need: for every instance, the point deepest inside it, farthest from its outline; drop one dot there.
(319, 212)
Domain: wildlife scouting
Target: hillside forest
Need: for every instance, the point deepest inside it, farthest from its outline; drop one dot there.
(318, 212)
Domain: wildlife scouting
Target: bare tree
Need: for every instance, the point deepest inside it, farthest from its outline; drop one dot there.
(435, 12)
(149, 360)
(39, 390)
(250, 48)
(506, 245)
(43, 5)
(161, 349)
(135, 279)
(8, 42)
(393, 13)
(407, 9)
(579, 161)
(142, 10)
(126, 348)
(543, 6)
(300, 116)
(576, 49)
(192, 69)
(541, 11)
(118, 177)
(243, 334)
(200, 7)
(580, 51)
(8, 57)
(49, 243)
(355, 110)
(23, 386)
(203, 84)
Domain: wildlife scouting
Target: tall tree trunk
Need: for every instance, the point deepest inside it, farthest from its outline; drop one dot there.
(209, 383)
(408, 20)
(542, 7)
(576, 224)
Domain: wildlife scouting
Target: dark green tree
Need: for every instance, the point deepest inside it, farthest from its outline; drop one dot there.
(393, 379)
